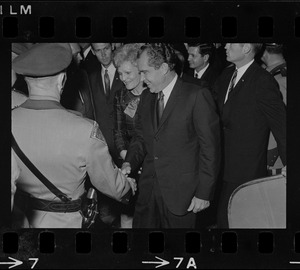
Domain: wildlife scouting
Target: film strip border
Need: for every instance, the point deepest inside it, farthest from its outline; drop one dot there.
(136, 20)
(155, 25)
(157, 21)
(192, 243)
(137, 249)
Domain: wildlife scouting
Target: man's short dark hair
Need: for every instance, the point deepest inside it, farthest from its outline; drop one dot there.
(204, 48)
(92, 44)
(274, 48)
(158, 54)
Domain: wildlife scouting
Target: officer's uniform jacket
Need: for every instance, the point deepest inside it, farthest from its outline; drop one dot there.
(280, 77)
(65, 148)
(17, 98)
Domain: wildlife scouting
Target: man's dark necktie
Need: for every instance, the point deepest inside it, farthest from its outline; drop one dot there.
(196, 75)
(231, 85)
(160, 106)
(106, 83)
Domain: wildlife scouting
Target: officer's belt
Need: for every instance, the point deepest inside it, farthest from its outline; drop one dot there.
(55, 206)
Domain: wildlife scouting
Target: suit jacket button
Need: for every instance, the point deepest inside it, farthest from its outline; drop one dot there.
(155, 158)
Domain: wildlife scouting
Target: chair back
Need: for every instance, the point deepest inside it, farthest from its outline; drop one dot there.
(260, 203)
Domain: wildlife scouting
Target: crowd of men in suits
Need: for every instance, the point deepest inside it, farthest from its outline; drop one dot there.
(201, 128)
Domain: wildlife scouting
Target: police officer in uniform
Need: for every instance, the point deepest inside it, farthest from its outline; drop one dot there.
(63, 146)
(275, 63)
(17, 98)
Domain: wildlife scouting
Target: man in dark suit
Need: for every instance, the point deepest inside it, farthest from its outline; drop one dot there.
(201, 62)
(178, 138)
(250, 106)
(76, 95)
(89, 60)
(104, 82)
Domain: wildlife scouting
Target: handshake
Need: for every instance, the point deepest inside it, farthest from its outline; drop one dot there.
(126, 170)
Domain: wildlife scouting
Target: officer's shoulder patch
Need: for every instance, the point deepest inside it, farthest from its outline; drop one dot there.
(96, 133)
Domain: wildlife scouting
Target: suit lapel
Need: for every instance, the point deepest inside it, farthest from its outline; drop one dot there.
(225, 87)
(241, 84)
(243, 79)
(116, 83)
(153, 111)
(99, 81)
(206, 74)
(171, 103)
(96, 84)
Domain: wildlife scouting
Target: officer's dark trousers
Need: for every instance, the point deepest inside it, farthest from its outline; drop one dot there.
(155, 214)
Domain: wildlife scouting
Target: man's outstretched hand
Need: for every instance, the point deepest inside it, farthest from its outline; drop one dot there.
(126, 168)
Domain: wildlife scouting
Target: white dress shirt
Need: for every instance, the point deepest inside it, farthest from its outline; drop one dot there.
(111, 70)
(201, 72)
(168, 90)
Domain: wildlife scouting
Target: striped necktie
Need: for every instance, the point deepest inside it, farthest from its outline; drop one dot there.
(232, 82)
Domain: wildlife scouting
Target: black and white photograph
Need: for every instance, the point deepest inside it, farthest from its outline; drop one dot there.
(136, 148)
(100, 122)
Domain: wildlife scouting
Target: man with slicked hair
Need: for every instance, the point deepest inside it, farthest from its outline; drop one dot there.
(104, 83)
(177, 136)
(201, 58)
(250, 105)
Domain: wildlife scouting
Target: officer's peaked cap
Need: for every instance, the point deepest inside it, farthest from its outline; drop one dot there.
(19, 48)
(273, 45)
(43, 59)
